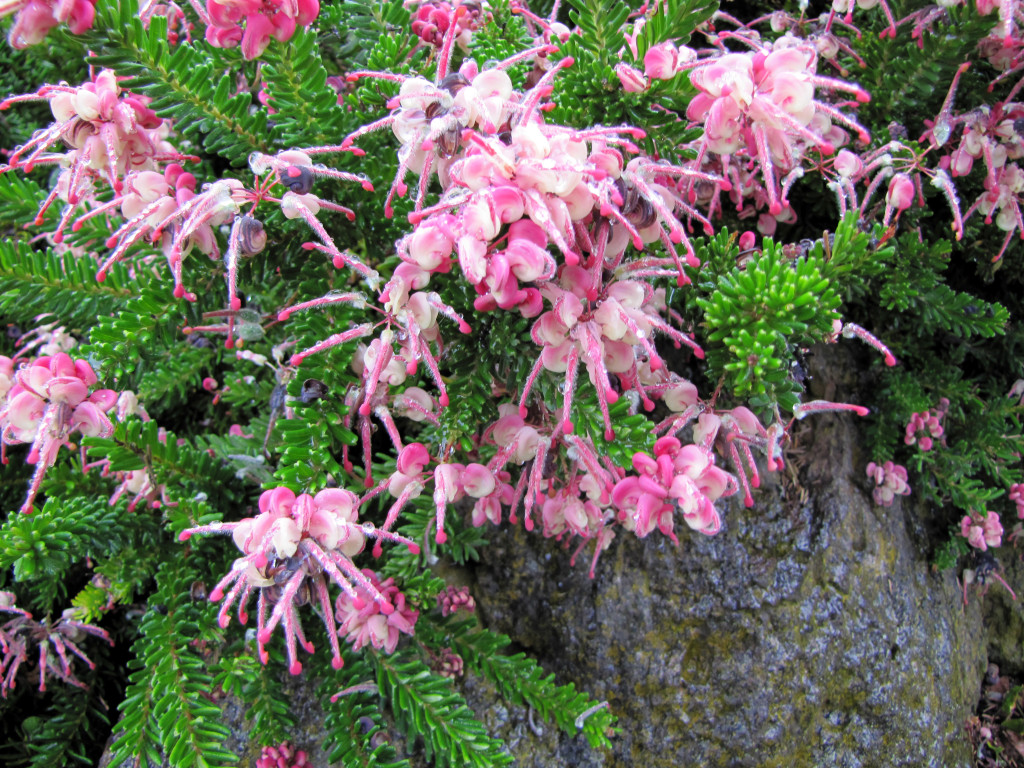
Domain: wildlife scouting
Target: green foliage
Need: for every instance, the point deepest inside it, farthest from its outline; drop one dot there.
(21, 197)
(307, 111)
(185, 471)
(910, 78)
(675, 21)
(167, 713)
(62, 737)
(354, 726)
(36, 283)
(42, 546)
(425, 706)
(757, 314)
(948, 555)
(633, 431)
(463, 546)
(361, 25)
(851, 257)
(311, 444)
(590, 93)
(522, 681)
(268, 709)
(917, 288)
(143, 348)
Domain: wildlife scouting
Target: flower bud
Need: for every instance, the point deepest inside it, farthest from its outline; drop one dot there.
(901, 192)
(632, 80)
(660, 61)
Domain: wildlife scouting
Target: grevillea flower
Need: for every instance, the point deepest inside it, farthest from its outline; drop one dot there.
(362, 621)
(263, 20)
(661, 60)
(431, 20)
(18, 635)
(1017, 497)
(761, 105)
(51, 399)
(291, 549)
(982, 531)
(926, 426)
(35, 18)
(890, 481)
(677, 478)
(454, 599)
(283, 755)
(109, 133)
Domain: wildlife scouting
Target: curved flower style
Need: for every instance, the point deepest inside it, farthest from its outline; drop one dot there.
(363, 621)
(762, 104)
(289, 549)
(49, 401)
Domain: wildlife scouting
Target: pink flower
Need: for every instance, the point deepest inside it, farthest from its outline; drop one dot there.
(453, 599)
(37, 17)
(49, 401)
(633, 81)
(282, 756)
(291, 549)
(901, 192)
(64, 635)
(890, 481)
(362, 621)
(660, 61)
(982, 532)
(1017, 497)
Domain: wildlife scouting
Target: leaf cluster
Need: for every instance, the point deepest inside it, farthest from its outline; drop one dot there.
(758, 313)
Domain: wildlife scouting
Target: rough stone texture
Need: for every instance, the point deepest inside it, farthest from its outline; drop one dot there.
(804, 634)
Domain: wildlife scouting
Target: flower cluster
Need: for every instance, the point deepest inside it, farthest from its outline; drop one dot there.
(362, 620)
(447, 663)
(926, 427)
(109, 133)
(890, 481)
(290, 551)
(35, 18)
(1017, 497)
(283, 755)
(432, 18)
(982, 530)
(48, 401)
(18, 635)
(676, 478)
(454, 599)
(760, 105)
(539, 218)
(253, 23)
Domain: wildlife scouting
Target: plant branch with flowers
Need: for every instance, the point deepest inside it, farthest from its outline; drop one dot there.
(355, 285)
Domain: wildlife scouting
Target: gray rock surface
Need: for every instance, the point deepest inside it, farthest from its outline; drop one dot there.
(809, 632)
